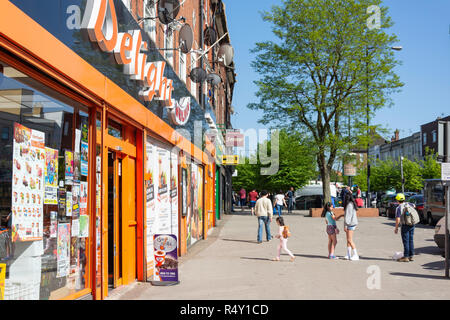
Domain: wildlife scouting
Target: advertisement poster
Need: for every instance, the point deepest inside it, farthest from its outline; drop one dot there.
(174, 192)
(84, 158)
(163, 197)
(151, 204)
(76, 167)
(84, 226)
(84, 130)
(63, 250)
(75, 228)
(51, 195)
(62, 202)
(28, 185)
(83, 197)
(53, 224)
(166, 257)
(51, 167)
(76, 200)
(69, 206)
(68, 160)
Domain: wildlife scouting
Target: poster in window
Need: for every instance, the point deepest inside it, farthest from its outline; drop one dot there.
(69, 206)
(174, 192)
(76, 167)
(84, 159)
(28, 185)
(163, 197)
(68, 161)
(84, 226)
(83, 197)
(51, 176)
(84, 130)
(62, 202)
(63, 250)
(53, 224)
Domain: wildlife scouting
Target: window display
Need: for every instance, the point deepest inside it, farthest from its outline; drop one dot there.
(43, 165)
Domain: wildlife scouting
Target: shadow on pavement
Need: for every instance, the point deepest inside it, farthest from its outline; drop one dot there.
(415, 275)
(421, 226)
(377, 259)
(237, 240)
(433, 250)
(310, 256)
(250, 258)
(437, 265)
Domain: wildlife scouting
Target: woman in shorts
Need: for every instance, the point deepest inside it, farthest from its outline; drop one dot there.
(332, 230)
(350, 223)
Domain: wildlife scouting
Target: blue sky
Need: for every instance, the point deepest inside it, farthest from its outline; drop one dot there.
(423, 30)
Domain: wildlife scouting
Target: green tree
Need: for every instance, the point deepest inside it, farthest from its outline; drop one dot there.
(321, 72)
(295, 168)
(431, 169)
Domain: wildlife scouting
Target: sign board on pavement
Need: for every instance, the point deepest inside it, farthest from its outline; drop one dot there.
(445, 171)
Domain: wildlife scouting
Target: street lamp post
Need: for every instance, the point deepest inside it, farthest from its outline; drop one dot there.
(396, 48)
(403, 179)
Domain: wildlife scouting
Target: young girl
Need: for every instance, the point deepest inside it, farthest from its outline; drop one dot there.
(332, 230)
(282, 235)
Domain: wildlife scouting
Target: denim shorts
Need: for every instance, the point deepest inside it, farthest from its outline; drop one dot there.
(351, 228)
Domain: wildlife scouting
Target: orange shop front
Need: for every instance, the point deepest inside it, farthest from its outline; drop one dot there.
(91, 230)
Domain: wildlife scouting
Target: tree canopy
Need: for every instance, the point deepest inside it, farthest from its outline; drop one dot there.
(296, 166)
(324, 68)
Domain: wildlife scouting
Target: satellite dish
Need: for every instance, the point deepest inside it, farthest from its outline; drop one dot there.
(168, 10)
(186, 38)
(213, 79)
(210, 36)
(198, 75)
(226, 51)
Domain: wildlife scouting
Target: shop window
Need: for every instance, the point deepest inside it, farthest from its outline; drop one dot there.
(44, 226)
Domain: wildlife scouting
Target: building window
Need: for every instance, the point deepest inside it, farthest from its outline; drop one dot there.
(193, 84)
(168, 44)
(424, 138)
(433, 134)
(150, 24)
(182, 66)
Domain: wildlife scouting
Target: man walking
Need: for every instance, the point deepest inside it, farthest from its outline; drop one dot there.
(243, 196)
(252, 197)
(407, 232)
(264, 212)
(290, 195)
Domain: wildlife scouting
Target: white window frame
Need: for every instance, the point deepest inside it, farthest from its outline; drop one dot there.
(193, 84)
(127, 4)
(182, 66)
(168, 44)
(150, 24)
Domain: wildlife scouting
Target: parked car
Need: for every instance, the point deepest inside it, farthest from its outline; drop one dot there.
(418, 201)
(308, 202)
(439, 234)
(434, 196)
(388, 205)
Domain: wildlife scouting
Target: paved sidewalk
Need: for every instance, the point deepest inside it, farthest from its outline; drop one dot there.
(231, 265)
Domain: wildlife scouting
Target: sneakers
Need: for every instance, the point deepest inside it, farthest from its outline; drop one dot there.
(404, 259)
(354, 258)
(333, 258)
(346, 258)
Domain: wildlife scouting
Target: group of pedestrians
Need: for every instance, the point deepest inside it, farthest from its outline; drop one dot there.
(264, 211)
(279, 200)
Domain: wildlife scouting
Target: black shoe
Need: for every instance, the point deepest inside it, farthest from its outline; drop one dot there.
(411, 259)
(259, 242)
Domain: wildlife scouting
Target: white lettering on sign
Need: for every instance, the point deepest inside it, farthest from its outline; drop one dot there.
(74, 19)
(100, 22)
(374, 21)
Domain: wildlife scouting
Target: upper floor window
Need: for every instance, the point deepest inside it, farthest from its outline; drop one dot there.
(168, 44)
(424, 138)
(182, 66)
(150, 24)
(434, 135)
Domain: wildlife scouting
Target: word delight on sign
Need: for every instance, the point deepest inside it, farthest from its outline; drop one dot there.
(100, 22)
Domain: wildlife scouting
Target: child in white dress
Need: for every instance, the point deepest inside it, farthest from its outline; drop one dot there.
(283, 234)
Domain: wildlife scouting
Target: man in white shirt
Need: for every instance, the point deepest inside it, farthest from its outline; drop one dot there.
(264, 212)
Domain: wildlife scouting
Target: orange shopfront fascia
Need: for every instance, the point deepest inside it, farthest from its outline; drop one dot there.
(79, 80)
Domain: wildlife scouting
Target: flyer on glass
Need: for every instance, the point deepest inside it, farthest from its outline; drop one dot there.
(28, 185)
(63, 250)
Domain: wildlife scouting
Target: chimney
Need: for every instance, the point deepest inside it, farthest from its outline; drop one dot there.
(397, 135)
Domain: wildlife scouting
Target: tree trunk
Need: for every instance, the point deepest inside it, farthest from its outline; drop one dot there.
(325, 173)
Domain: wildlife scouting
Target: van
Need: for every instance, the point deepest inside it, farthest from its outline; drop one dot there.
(311, 196)
(434, 201)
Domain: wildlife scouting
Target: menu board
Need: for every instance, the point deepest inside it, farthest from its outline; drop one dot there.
(166, 257)
(28, 184)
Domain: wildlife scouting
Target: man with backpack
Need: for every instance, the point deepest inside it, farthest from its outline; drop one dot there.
(407, 217)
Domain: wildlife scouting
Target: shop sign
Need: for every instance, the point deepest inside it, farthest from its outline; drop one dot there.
(234, 138)
(179, 114)
(230, 160)
(100, 22)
